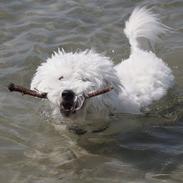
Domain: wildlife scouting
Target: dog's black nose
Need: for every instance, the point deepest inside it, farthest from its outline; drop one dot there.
(68, 95)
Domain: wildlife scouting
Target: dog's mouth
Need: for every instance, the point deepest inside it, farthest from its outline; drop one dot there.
(69, 107)
(72, 103)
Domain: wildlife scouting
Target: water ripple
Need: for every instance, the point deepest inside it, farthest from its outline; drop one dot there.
(31, 150)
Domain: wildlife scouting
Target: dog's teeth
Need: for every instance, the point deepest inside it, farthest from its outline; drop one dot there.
(79, 102)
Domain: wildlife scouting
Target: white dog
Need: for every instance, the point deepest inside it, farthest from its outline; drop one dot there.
(137, 81)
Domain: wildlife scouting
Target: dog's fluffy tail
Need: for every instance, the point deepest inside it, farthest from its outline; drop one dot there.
(143, 24)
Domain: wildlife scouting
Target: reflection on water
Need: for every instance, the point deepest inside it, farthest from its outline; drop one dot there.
(36, 149)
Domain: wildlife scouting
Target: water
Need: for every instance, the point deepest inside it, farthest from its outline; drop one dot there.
(31, 150)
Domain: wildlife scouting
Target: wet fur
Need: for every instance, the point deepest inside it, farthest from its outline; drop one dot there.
(137, 81)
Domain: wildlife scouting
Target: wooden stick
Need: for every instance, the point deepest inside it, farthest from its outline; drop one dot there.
(98, 92)
(25, 91)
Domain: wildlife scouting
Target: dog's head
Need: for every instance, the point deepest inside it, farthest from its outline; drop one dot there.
(65, 77)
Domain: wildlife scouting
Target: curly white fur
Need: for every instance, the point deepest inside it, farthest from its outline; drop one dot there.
(137, 81)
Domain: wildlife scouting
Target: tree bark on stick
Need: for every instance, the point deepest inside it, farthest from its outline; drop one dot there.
(25, 91)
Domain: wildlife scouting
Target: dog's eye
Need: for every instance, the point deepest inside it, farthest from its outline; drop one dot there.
(85, 79)
(61, 77)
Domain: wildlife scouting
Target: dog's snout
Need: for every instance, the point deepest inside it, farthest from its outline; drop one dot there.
(68, 95)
